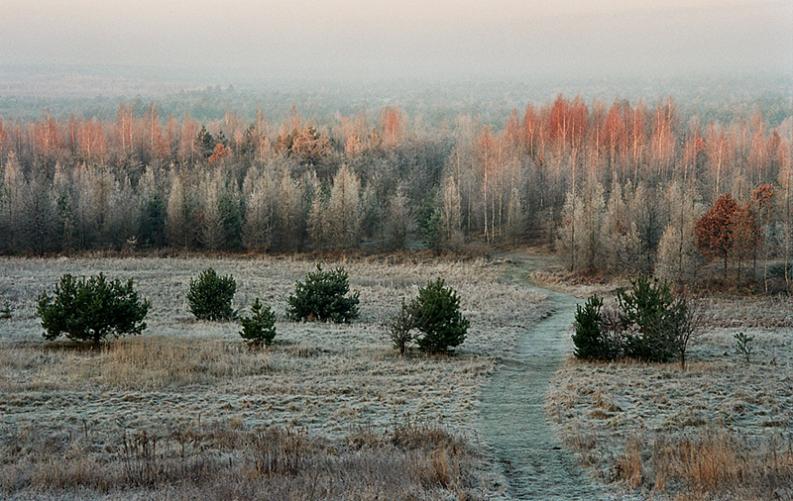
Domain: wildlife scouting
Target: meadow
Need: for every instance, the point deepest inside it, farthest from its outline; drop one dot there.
(327, 411)
(720, 429)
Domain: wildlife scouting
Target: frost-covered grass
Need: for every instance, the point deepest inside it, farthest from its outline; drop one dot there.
(719, 430)
(330, 381)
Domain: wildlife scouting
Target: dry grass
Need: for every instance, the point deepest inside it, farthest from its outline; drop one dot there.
(153, 362)
(224, 460)
(712, 463)
(719, 430)
(147, 362)
(327, 380)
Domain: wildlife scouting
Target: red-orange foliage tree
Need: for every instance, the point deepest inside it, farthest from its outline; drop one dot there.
(715, 230)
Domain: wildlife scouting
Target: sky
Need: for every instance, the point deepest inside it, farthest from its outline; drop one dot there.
(406, 39)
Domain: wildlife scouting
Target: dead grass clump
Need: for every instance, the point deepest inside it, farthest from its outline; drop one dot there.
(719, 462)
(629, 466)
(419, 436)
(158, 361)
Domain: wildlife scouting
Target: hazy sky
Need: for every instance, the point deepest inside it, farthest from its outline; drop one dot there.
(408, 38)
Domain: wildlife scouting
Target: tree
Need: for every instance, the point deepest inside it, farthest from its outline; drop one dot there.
(436, 314)
(400, 328)
(591, 338)
(580, 233)
(344, 213)
(399, 221)
(317, 227)
(324, 296)
(177, 216)
(451, 224)
(152, 211)
(747, 237)
(621, 243)
(259, 327)
(678, 257)
(646, 313)
(210, 296)
(763, 200)
(715, 230)
(122, 220)
(230, 211)
(289, 213)
(91, 309)
(12, 194)
(257, 232)
(516, 218)
(212, 230)
(683, 321)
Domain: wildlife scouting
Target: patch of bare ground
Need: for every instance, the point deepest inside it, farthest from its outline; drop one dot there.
(719, 430)
(58, 400)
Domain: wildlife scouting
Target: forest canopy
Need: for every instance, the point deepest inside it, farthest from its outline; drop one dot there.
(617, 187)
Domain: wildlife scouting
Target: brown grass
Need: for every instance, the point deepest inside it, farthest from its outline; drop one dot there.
(158, 361)
(78, 416)
(717, 462)
(629, 466)
(146, 362)
(718, 430)
(225, 461)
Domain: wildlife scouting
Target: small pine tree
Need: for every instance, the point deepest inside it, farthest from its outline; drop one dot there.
(324, 296)
(91, 309)
(400, 327)
(259, 327)
(591, 339)
(744, 346)
(210, 296)
(648, 306)
(5, 311)
(436, 313)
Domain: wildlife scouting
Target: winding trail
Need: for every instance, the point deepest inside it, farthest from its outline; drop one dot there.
(513, 420)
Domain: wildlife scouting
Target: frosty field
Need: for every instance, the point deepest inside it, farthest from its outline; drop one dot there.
(73, 420)
(719, 430)
(332, 411)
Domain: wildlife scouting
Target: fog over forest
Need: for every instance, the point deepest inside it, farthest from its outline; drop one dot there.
(355, 40)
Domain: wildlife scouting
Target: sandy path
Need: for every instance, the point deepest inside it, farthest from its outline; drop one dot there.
(513, 421)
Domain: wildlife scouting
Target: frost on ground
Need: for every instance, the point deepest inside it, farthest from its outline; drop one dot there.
(719, 430)
(209, 403)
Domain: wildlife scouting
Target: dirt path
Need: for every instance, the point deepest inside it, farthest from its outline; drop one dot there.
(513, 420)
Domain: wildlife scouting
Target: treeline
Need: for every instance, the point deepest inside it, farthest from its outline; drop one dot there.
(614, 188)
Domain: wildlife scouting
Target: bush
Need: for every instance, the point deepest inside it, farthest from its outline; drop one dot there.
(592, 337)
(210, 296)
(436, 314)
(92, 309)
(324, 296)
(5, 311)
(652, 324)
(646, 310)
(400, 327)
(259, 327)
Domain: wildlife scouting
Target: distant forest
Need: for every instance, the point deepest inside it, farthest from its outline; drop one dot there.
(615, 188)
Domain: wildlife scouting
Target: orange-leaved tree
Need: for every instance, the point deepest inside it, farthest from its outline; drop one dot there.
(715, 230)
